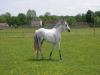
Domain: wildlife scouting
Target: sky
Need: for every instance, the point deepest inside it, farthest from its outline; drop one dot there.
(55, 7)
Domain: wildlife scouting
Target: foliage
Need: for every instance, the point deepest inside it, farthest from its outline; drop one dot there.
(47, 14)
(70, 19)
(2, 18)
(97, 13)
(90, 16)
(30, 14)
(97, 18)
(97, 22)
(49, 19)
(80, 18)
(14, 21)
(22, 20)
(25, 19)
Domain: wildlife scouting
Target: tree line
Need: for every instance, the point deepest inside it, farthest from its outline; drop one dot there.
(20, 19)
(89, 17)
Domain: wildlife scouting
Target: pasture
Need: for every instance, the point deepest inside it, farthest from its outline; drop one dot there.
(80, 52)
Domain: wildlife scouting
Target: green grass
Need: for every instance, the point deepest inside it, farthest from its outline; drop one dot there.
(80, 51)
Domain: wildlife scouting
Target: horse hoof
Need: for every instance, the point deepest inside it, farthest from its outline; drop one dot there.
(43, 57)
(60, 58)
(50, 58)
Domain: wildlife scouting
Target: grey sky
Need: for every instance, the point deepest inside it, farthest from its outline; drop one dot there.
(55, 7)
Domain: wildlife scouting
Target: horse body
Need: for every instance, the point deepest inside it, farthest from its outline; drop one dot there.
(50, 35)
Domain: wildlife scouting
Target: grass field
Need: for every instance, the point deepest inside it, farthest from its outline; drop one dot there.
(80, 52)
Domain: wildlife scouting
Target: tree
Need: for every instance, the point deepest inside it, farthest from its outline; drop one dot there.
(90, 16)
(7, 14)
(31, 13)
(47, 14)
(83, 18)
(14, 21)
(22, 19)
(8, 18)
(97, 21)
(2, 18)
(70, 19)
(97, 13)
(97, 18)
(78, 18)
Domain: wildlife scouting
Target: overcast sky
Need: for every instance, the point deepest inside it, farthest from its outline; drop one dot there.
(55, 7)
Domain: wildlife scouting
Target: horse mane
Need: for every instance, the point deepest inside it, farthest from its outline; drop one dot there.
(59, 23)
(56, 26)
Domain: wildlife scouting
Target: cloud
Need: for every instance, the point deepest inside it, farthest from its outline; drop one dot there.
(56, 7)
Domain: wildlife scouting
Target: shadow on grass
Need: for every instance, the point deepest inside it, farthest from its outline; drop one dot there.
(44, 59)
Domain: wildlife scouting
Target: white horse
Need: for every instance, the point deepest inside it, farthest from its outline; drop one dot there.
(50, 35)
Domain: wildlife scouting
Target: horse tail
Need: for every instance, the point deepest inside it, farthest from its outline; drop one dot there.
(36, 42)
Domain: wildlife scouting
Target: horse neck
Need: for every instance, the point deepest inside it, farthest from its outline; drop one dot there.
(59, 29)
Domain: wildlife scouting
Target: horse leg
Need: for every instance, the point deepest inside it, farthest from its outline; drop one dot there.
(41, 48)
(42, 42)
(37, 56)
(59, 51)
(50, 57)
(41, 54)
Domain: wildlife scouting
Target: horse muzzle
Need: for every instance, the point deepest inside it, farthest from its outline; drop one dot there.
(68, 30)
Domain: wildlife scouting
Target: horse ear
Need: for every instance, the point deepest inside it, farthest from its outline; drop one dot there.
(65, 23)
